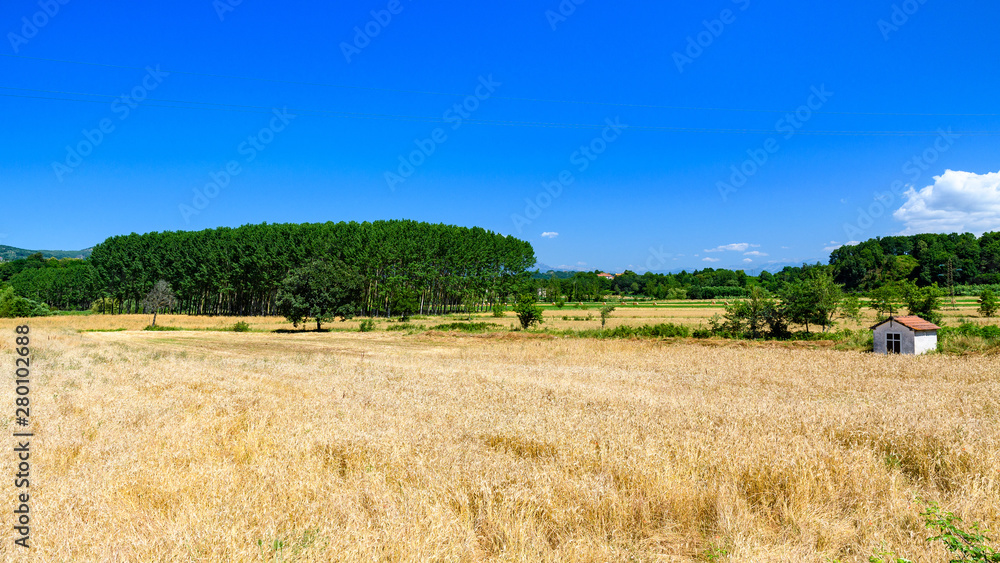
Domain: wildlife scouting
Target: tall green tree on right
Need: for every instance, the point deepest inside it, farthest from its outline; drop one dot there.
(987, 303)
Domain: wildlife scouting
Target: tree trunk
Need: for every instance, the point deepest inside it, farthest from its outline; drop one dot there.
(154, 317)
(317, 325)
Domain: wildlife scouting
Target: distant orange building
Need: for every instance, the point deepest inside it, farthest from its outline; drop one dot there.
(606, 275)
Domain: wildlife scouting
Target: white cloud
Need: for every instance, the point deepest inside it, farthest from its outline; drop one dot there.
(709, 259)
(956, 202)
(581, 263)
(834, 245)
(549, 235)
(747, 260)
(754, 253)
(737, 246)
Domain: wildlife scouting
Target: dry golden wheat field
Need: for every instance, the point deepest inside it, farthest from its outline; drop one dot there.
(383, 446)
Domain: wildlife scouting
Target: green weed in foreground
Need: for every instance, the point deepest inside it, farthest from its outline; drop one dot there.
(966, 546)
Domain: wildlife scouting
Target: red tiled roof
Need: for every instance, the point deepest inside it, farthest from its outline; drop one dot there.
(912, 322)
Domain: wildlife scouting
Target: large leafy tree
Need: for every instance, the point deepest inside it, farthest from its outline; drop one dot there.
(757, 316)
(813, 301)
(925, 302)
(320, 290)
(886, 299)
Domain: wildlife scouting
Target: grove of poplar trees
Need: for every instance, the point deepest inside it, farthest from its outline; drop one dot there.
(238, 271)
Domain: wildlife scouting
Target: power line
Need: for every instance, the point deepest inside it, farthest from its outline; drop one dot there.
(508, 98)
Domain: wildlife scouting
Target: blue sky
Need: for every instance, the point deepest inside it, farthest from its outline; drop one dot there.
(693, 93)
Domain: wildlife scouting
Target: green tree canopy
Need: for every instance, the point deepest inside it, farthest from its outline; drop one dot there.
(320, 290)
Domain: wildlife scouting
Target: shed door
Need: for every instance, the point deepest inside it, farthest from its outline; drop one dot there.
(892, 341)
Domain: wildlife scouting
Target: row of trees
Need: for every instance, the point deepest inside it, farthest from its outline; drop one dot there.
(945, 259)
(924, 259)
(394, 267)
(819, 300)
(65, 284)
(815, 300)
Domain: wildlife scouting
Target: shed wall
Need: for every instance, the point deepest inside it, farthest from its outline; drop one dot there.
(925, 341)
(906, 344)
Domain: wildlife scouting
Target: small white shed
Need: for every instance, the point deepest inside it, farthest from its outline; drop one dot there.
(905, 335)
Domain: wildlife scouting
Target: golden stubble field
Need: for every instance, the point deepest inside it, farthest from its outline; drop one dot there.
(215, 446)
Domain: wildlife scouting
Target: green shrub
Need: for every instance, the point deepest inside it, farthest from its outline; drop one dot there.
(105, 306)
(240, 327)
(968, 337)
(663, 330)
(987, 303)
(14, 306)
(528, 312)
(701, 333)
(161, 328)
(468, 327)
(988, 332)
(367, 325)
(858, 340)
(403, 327)
(975, 290)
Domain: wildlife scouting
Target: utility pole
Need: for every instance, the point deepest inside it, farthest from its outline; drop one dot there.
(950, 276)
(951, 283)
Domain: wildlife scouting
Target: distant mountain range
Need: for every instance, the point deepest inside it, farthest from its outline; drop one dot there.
(773, 268)
(8, 253)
